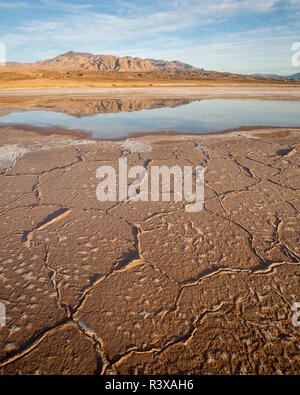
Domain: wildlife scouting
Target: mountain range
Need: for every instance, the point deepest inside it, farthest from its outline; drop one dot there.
(89, 62)
(277, 76)
(86, 62)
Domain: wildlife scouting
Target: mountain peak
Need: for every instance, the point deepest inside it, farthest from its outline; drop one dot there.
(87, 61)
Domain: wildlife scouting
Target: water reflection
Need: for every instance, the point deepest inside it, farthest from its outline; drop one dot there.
(119, 118)
(83, 108)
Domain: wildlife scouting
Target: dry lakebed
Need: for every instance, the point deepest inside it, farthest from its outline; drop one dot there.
(146, 287)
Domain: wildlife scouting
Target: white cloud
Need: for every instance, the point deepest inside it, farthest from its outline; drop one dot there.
(64, 6)
(158, 29)
(13, 4)
(94, 25)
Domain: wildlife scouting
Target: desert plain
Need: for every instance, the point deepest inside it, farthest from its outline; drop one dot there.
(142, 287)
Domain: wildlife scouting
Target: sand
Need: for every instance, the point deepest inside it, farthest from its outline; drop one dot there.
(129, 287)
(23, 76)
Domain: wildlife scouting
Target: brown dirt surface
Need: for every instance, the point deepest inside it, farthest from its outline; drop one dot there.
(130, 287)
(22, 77)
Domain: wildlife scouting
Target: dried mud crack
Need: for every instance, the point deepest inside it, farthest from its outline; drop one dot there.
(141, 287)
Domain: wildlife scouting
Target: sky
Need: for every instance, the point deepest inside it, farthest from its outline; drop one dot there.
(240, 36)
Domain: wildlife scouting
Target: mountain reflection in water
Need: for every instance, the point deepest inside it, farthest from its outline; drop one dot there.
(116, 118)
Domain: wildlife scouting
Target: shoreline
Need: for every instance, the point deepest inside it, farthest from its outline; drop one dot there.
(170, 135)
(257, 92)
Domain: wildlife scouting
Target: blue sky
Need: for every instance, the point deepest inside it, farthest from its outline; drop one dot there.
(244, 36)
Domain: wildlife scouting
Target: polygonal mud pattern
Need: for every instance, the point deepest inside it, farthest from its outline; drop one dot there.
(240, 324)
(145, 287)
(63, 350)
(17, 192)
(83, 247)
(26, 288)
(201, 243)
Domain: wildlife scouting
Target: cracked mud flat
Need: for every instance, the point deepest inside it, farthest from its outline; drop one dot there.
(144, 287)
